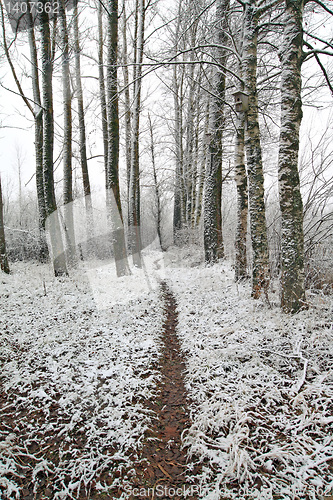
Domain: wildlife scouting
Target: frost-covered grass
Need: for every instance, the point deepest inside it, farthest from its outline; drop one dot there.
(78, 357)
(73, 378)
(261, 384)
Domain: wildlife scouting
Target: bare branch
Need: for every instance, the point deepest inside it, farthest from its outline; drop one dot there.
(328, 44)
(5, 46)
(264, 8)
(321, 4)
(315, 53)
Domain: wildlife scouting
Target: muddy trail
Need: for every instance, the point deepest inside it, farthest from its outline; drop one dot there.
(163, 470)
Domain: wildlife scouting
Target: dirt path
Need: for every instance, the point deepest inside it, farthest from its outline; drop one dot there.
(165, 469)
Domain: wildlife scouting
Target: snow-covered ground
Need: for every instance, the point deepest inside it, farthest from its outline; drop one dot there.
(73, 370)
(78, 357)
(261, 383)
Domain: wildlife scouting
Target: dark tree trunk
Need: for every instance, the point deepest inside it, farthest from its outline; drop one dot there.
(213, 241)
(112, 181)
(102, 92)
(134, 188)
(67, 140)
(82, 130)
(128, 113)
(38, 118)
(53, 225)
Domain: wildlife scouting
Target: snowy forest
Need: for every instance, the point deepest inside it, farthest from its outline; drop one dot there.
(166, 230)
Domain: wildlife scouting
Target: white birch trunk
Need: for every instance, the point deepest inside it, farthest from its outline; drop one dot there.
(260, 271)
(242, 201)
(292, 239)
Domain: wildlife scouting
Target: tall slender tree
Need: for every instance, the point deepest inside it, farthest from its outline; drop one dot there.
(156, 183)
(38, 119)
(260, 271)
(242, 201)
(127, 98)
(189, 126)
(102, 90)
(241, 180)
(213, 181)
(134, 187)
(4, 266)
(202, 167)
(112, 174)
(82, 128)
(177, 83)
(67, 139)
(292, 238)
(53, 224)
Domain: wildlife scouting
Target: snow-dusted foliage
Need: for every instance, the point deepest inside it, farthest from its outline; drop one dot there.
(73, 379)
(75, 376)
(261, 386)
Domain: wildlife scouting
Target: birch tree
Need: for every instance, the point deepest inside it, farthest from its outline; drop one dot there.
(82, 127)
(4, 266)
(242, 201)
(112, 174)
(134, 186)
(291, 206)
(213, 180)
(58, 254)
(241, 179)
(67, 138)
(189, 125)
(202, 167)
(260, 268)
(37, 114)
